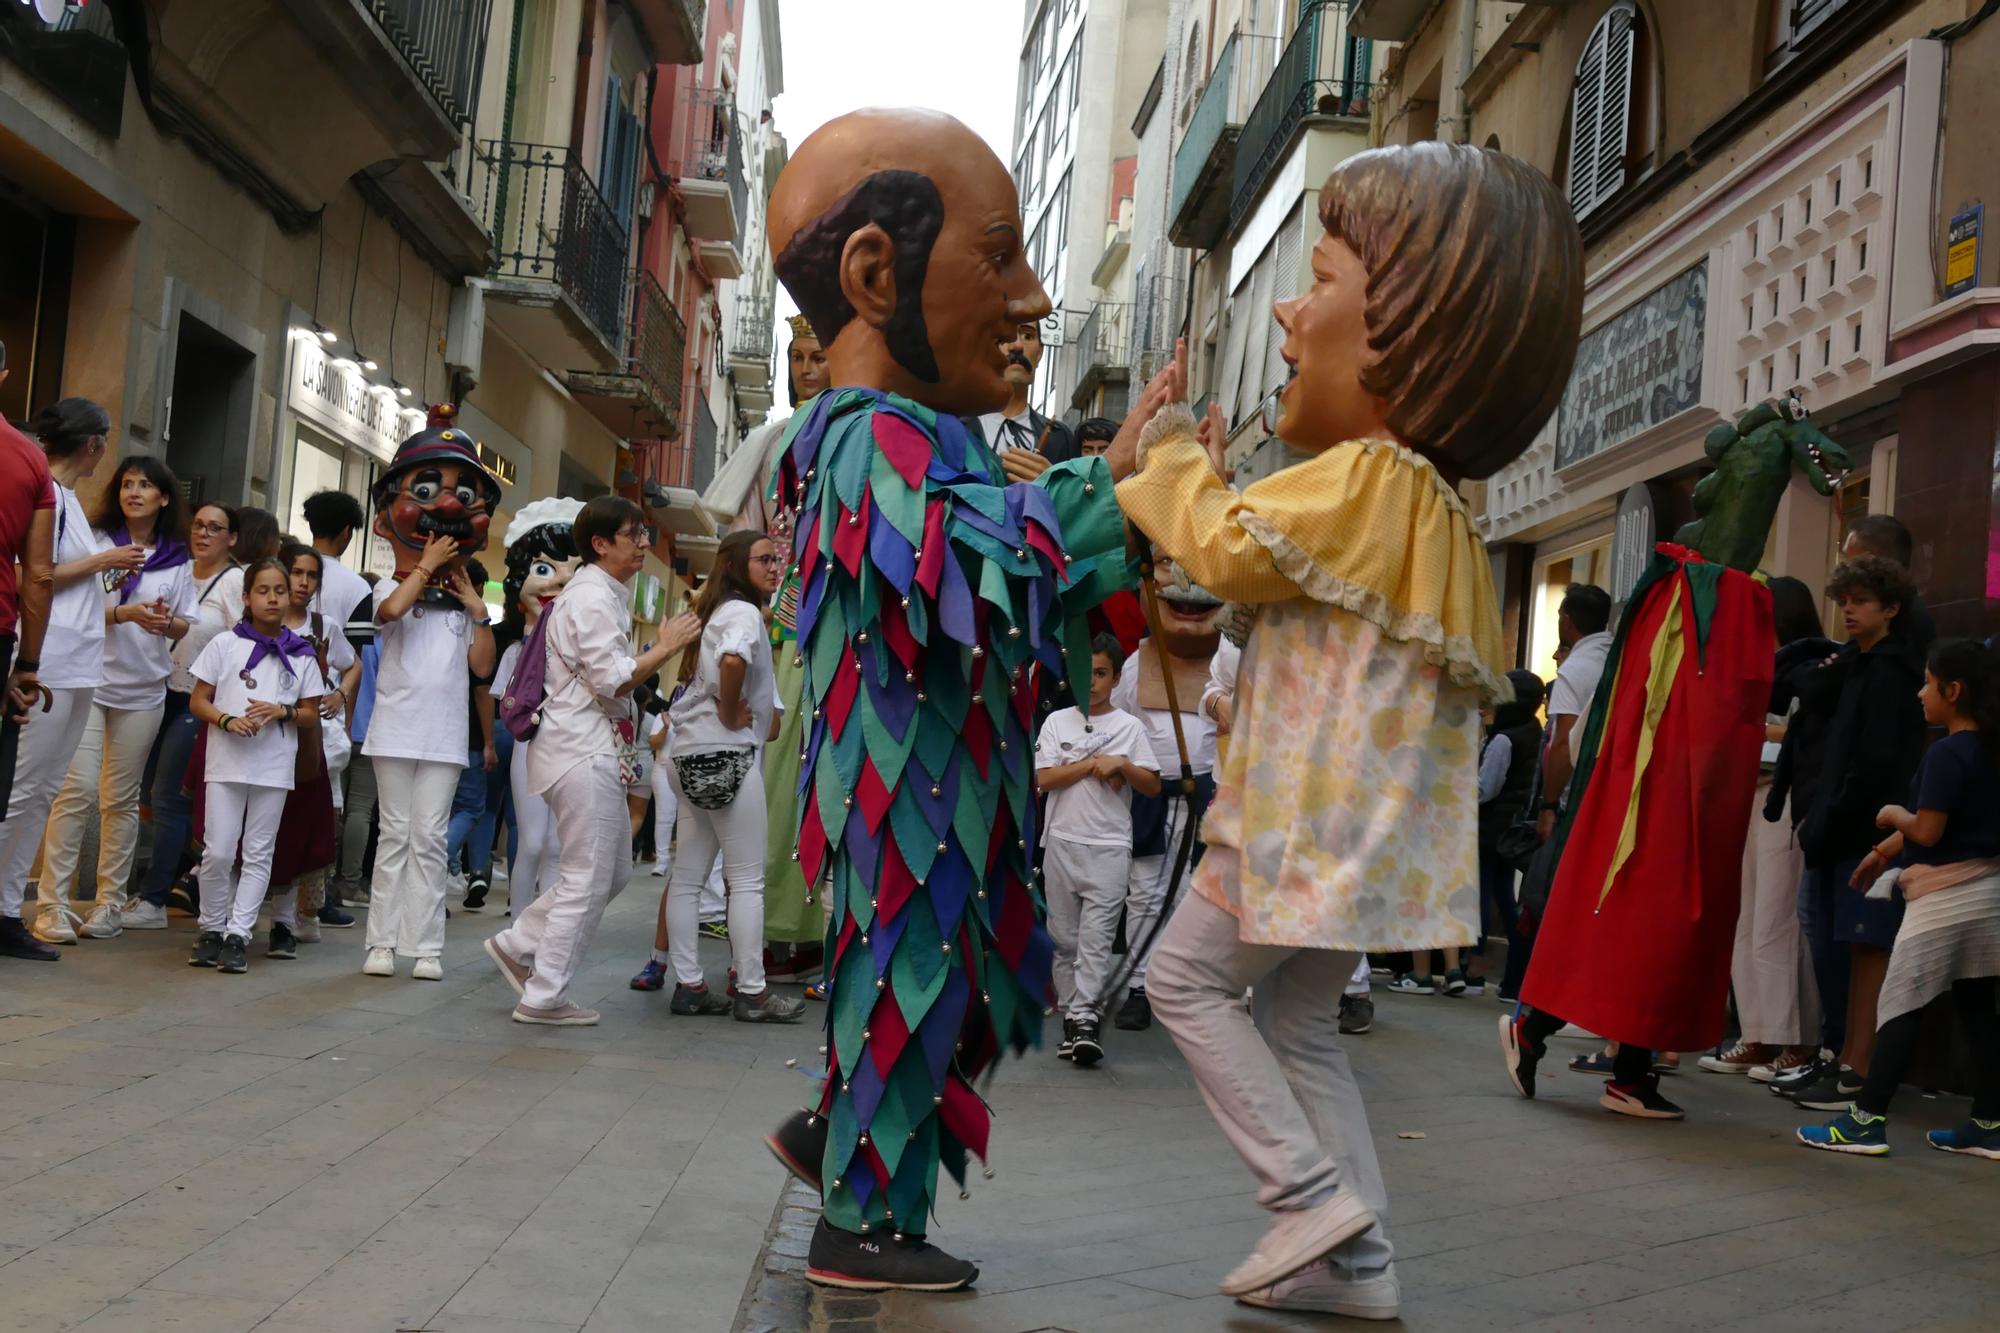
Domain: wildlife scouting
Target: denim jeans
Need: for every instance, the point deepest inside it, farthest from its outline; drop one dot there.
(173, 807)
(468, 808)
(498, 806)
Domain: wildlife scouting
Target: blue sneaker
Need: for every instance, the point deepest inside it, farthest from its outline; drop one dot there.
(653, 976)
(1855, 1131)
(1971, 1138)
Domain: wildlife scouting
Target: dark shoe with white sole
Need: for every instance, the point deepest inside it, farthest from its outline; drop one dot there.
(882, 1260)
(799, 1144)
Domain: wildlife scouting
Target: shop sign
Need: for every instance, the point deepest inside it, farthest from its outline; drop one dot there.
(1961, 253)
(342, 401)
(1632, 541)
(1636, 370)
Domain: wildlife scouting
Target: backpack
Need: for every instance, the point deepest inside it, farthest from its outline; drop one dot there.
(521, 707)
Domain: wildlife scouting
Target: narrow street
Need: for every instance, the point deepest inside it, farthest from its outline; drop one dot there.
(304, 1148)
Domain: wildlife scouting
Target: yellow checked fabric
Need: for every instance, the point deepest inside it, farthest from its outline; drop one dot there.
(1346, 814)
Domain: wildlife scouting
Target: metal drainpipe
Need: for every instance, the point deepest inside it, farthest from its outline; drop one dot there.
(1456, 127)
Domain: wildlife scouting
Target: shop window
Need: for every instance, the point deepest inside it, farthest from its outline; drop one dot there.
(1608, 129)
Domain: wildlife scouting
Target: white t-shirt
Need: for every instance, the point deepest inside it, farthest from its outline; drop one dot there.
(736, 627)
(1159, 723)
(1576, 684)
(334, 742)
(1089, 811)
(340, 591)
(73, 646)
(503, 673)
(266, 759)
(137, 664)
(421, 684)
(219, 605)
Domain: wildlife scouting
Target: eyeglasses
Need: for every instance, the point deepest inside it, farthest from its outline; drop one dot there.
(639, 536)
(773, 561)
(211, 529)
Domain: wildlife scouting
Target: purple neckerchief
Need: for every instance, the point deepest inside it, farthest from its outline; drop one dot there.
(287, 644)
(165, 556)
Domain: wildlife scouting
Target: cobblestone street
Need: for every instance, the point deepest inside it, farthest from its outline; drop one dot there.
(304, 1148)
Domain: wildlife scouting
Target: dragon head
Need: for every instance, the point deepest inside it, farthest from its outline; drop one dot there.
(1821, 460)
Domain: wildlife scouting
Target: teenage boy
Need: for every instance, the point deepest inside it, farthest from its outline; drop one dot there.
(1089, 764)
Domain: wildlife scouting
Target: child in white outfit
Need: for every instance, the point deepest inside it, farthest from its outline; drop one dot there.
(1085, 764)
(257, 687)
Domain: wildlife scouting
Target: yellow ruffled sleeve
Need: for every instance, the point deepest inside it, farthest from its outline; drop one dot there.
(1180, 503)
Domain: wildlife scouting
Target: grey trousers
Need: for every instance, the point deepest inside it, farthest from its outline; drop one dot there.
(1085, 888)
(1278, 1085)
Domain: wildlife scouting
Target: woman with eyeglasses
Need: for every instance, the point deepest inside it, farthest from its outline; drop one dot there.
(218, 595)
(75, 434)
(146, 611)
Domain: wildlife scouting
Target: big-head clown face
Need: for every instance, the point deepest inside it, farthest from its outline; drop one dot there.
(541, 557)
(899, 235)
(1190, 615)
(435, 487)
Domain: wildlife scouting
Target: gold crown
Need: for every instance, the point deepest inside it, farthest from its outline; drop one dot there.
(801, 327)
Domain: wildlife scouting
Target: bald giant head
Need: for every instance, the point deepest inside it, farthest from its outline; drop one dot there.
(899, 235)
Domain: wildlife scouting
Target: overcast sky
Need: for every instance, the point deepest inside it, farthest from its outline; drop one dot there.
(957, 56)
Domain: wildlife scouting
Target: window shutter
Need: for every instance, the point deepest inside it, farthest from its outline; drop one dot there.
(1601, 112)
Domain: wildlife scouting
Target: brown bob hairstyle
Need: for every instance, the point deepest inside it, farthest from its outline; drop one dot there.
(1475, 294)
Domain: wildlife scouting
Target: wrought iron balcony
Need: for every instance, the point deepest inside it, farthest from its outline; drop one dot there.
(552, 229)
(1321, 73)
(639, 399)
(1204, 162)
(714, 189)
(1102, 351)
(1156, 319)
(750, 347)
(444, 44)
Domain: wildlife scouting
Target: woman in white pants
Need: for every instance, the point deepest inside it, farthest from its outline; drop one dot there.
(417, 738)
(719, 724)
(146, 612)
(74, 434)
(258, 688)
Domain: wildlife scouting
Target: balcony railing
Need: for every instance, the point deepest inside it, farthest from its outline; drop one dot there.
(550, 223)
(444, 44)
(656, 345)
(715, 147)
(1316, 75)
(753, 331)
(1101, 350)
(1156, 317)
(1212, 130)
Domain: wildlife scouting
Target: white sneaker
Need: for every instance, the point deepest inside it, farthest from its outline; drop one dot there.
(1322, 1291)
(381, 963)
(306, 932)
(105, 922)
(428, 969)
(142, 915)
(56, 924)
(1296, 1238)
(661, 866)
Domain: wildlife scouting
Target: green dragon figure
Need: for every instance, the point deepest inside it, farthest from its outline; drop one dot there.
(1736, 504)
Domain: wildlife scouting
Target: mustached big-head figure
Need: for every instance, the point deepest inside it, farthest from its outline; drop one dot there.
(435, 487)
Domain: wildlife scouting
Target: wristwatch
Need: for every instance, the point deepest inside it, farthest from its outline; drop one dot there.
(27, 664)
(1553, 807)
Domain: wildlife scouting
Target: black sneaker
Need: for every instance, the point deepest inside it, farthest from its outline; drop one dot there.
(476, 890)
(17, 941)
(1831, 1093)
(1136, 1014)
(183, 898)
(234, 951)
(1357, 1015)
(336, 919)
(800, 1144)
(1068, 1046)
(1641, 1099)
(207, 950)
(1801, 1077)
(1086, 1050)
(284, 944)
(882, 1260)
(1520, 1054)
(700, 1001)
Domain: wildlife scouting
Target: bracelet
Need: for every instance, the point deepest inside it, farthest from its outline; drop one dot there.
(227, 718)
(1877, 849)
(27, 664)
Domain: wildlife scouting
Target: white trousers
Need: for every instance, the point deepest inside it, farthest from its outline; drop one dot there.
(536, 845)
(238, 817)
(713, 906)
(595, 834)
(41, 763)
(1360, 983)
(737, 829)
(1777, 999)
(1146, 893)
(406, 899)
(1279, 1084)
(1084, 886)
(108, 766)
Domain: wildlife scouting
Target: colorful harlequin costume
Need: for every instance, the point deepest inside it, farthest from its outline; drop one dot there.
(932, 596)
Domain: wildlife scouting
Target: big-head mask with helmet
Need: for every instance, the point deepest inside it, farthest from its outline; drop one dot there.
(435, 487)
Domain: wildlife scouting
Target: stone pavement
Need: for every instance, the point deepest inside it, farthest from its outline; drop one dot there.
(304, 1148)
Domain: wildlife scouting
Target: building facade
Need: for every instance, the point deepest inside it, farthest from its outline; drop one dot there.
(1774, 197)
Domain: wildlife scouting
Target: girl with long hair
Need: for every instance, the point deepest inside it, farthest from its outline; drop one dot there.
(75, 434)
(720, 723)
(218, 592)
(146, 611)
(1945, 856)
